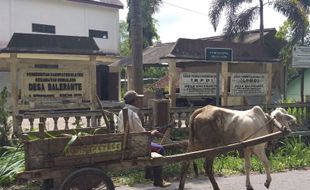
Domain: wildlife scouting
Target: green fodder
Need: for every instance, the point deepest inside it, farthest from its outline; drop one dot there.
(293, 153)
(12, 161)
(228, 164)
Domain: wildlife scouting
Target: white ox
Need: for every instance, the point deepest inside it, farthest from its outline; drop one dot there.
(212, 126)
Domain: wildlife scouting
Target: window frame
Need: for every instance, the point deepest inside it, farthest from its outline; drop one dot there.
(101, 34)
(43, 28)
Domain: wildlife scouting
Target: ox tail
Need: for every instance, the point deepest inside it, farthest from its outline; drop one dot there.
(192, 126)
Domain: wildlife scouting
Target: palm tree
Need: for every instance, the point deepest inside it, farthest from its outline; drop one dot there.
(237, 24)
(297, 12)
(136, 45)
(142, 31)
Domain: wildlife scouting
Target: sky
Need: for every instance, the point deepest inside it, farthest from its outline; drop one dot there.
(189, 19)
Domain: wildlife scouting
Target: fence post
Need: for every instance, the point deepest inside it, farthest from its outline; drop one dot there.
(307, 115)
(161, 117)
(41, 130)
(160, 112)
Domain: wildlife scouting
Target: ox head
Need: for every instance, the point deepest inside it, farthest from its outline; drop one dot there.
(282, 116)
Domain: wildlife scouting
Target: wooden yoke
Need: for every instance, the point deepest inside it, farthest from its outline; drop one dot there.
(126, 132)
(166, 137)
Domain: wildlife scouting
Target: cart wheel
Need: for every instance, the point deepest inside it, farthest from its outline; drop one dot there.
(87, 179)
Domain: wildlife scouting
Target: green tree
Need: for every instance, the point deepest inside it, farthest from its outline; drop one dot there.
(125, 49)
(4, 114)
(297, 13)
(155, 72)
(237, 23)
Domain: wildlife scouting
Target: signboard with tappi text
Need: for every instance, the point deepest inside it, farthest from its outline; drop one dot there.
(197, 84)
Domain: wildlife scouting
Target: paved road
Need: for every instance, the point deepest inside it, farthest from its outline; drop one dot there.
(292, 180)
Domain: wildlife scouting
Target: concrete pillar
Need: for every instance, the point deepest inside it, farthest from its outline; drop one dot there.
(172, 81)
(14, 94)
(129, 77)
(224, 70)
(93, 87)
(269, 83)
(93, 82)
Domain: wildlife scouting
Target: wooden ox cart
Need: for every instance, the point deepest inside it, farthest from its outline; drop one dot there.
(84, 164)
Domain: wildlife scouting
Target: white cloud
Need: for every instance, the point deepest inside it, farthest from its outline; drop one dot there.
(175, 22)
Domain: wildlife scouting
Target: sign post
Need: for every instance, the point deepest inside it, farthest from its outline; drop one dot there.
(301, 59)
(220, 55)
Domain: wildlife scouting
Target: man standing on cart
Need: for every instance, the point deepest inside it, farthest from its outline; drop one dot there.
(134, 102)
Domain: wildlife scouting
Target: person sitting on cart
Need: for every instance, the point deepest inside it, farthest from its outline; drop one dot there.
(133, 102)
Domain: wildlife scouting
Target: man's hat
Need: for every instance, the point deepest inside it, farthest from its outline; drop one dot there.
(131, 96)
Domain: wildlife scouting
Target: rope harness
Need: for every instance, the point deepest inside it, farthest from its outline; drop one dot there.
(270, 129)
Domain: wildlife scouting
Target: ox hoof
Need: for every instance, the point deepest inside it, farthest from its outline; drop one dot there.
(267, 184)
(249, 188)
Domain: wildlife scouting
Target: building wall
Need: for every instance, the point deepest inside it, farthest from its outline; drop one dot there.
(69, 18)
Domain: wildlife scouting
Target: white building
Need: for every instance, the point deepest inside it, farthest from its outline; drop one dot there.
(93, 18)
(60, 35)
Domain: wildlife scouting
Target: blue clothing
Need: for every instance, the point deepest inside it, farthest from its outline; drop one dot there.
(157, 148)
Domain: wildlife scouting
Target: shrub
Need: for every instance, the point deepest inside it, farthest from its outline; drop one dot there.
(4, 126)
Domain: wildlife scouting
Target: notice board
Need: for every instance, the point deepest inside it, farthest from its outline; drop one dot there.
(248, 84)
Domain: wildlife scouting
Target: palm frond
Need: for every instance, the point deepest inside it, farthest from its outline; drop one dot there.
(231, 6)
(246, 18)
(296, 13)
(155, 5)
(237, 26)
(217, 7)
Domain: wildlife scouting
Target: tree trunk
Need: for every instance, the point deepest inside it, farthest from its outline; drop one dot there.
(261, 27)
(136, 45)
